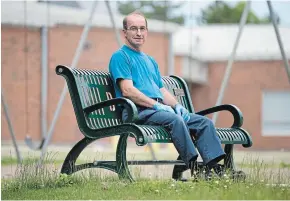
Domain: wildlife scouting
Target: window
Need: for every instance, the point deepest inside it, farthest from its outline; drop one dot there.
(276, 113)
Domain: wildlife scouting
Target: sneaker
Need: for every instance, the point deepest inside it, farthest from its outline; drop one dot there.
(208, 175)
(232, 174)
(198, 173)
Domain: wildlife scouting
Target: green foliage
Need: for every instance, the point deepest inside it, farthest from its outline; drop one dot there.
(221, 12)
(159, 10)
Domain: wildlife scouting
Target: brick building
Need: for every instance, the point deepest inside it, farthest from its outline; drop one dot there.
(258, 84)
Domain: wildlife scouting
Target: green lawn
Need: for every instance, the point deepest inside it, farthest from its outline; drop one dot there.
(145, 189)
(33, 182)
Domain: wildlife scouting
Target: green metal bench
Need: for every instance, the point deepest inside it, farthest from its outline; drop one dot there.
(99, 116)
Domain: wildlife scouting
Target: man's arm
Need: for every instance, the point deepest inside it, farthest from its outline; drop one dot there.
(129, 91)
(169, 99)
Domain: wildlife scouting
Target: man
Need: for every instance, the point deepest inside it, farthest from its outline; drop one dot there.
(136, 76)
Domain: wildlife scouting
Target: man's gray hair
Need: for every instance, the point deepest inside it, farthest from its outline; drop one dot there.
(136, 12)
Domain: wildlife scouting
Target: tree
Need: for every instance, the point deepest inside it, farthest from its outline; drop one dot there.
(159, 10)
(221, 12)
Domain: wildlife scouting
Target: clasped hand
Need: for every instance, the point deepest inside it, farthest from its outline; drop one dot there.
(178, 109)
(161, 107)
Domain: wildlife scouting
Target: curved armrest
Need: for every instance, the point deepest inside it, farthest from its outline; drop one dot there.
(128, 104)
(237, 114)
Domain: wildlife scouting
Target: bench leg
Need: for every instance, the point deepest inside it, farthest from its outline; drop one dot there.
(230, 165)
(69, 166)
(121, 159)
(178, 170)
(229, 160)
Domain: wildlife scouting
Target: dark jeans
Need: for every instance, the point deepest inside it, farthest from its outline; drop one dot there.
(207, 142)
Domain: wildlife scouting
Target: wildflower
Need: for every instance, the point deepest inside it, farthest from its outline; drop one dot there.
(217, 182)
(150, 175)
(157, 191)
(225, 186)
(172, 185)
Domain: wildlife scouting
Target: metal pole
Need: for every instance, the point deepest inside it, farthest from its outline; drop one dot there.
(274, 21)
(44, 66)
(189, 71)
(73, 65)
(113, 23)
(243, 21)
(19, 158)
(170, 55)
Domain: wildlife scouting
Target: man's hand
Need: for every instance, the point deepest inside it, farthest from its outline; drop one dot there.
(161, 107)
(180, 110)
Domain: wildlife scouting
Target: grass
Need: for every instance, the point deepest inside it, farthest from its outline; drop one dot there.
(149, 190)
(43, 182)
(58, 158)
(8, 160)
(273, 165)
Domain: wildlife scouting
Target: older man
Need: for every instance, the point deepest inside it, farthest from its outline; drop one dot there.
(136, 76)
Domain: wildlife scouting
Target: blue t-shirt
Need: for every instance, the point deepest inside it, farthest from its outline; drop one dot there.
(142, 69)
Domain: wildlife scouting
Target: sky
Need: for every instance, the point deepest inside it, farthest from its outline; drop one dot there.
(260, 8)
(194, 8)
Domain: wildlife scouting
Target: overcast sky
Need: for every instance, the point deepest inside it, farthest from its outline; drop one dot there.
(194, 8)
(259, 7)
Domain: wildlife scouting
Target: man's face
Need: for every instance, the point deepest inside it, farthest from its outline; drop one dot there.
(136, 32)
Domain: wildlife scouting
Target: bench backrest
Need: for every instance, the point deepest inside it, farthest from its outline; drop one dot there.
(88, 87)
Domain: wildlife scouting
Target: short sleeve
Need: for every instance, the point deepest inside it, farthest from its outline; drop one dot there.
(119, 67)
(159, 78)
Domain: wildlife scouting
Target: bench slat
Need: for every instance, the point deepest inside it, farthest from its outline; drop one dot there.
(158, 134)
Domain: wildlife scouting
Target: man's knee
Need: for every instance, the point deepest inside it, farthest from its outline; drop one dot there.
(209, 122)
(206, 121)
(177, 125)
(178, 120)
(201, 123)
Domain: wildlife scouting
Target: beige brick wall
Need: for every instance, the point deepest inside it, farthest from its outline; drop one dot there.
(24, 99)
(245, 86)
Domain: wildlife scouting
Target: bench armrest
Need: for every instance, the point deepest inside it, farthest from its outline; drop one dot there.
(128, 104)
(235, 111)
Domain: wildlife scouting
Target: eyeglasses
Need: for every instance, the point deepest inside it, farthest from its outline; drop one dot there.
(135, 29)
